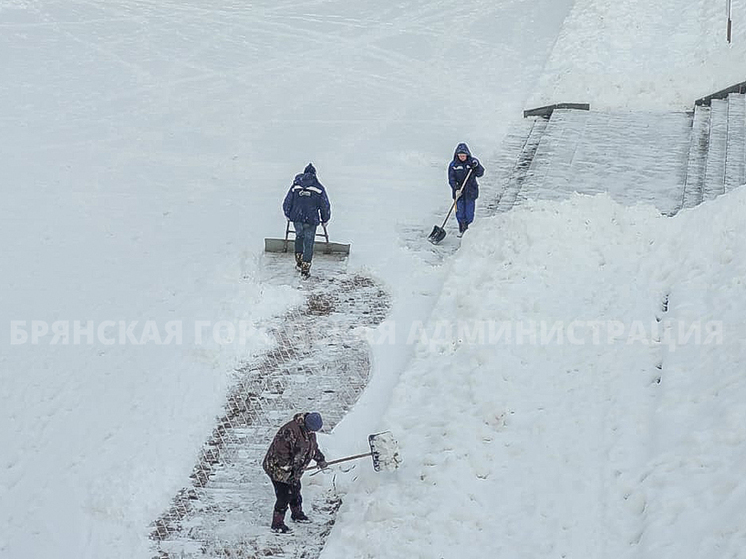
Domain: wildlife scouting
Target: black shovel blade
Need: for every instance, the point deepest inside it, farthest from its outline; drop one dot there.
(437, 235)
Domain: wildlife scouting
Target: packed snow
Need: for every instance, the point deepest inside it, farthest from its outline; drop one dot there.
(566, 384)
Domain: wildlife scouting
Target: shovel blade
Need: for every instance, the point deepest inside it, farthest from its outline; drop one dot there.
(319, 247)
(385, 451)
(277, 245)
(437, 235)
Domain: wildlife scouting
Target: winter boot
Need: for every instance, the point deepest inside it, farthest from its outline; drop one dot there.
(305, 269)
(278, 523)
(297, 515)
(298, 259)
(461, 228)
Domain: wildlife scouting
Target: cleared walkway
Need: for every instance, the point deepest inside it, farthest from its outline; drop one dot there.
(321, 362)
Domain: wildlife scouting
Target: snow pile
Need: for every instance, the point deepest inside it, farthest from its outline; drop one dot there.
(577, 394)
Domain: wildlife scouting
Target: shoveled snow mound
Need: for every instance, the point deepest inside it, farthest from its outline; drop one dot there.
(578, 394)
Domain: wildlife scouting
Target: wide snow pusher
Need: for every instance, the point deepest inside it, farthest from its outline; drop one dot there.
(321, 245)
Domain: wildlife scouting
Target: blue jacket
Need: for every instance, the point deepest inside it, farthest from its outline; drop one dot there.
(457, 172)
(306, 201)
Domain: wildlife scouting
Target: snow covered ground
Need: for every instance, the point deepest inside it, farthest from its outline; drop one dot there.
(145, 151)
(637, 54)
(579, 397)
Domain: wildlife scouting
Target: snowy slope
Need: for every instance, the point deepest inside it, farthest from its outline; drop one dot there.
(555, 409)
(637, 54)
(146, 147)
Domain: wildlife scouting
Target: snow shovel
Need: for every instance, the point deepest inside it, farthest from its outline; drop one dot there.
(319, 247)
(383, 449)
(439, 233)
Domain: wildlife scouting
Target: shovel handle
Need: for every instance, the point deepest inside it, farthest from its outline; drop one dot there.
(458, 195)
(340, 460)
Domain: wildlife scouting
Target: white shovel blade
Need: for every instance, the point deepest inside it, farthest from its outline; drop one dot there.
(385, 451)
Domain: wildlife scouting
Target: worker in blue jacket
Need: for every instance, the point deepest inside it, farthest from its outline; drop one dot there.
(306, 205)
(464, 165)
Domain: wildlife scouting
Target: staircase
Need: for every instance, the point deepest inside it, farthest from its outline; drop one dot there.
(672, 160)
(717, 157)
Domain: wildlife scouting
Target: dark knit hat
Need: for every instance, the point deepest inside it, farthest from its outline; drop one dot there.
(313, 421)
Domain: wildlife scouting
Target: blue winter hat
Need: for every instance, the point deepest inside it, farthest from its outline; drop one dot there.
(310, 169)
(313, 421)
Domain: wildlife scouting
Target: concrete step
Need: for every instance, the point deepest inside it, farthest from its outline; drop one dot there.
(522, 165)
(735, 153)
(714, 184)
(697, 161)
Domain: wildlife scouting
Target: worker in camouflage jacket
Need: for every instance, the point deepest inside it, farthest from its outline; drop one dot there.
(292, 449)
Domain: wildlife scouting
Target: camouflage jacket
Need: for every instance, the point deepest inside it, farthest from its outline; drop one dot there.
(292, 449)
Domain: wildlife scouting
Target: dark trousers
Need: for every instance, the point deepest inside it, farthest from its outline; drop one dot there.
(287, 494)
(305, 234)
(465, 210)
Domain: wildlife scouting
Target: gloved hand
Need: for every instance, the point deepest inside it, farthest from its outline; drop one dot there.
(321, 464)
(324, 223)
(474, 163)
